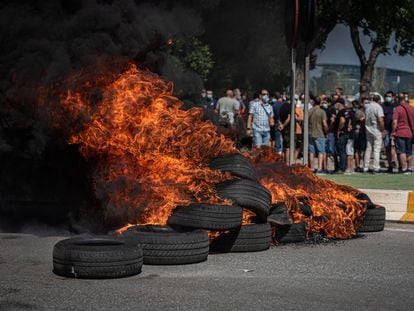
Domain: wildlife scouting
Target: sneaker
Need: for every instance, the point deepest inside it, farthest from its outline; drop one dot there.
(358, 170)
(390, 170)
(320, 173)
(406, 172)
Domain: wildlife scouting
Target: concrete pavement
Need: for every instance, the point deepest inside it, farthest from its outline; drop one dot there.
(373, 272)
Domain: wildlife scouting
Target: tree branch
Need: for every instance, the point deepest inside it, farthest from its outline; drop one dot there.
(357, 43)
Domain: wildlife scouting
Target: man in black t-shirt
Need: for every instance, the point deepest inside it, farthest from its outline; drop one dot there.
(344, 129)
(389, 104)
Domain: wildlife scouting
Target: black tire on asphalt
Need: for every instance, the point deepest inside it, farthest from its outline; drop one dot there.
(207, 216)
(291, 233)
(374, 220)
(247, 238)
(248, 194)
(236, 164)
(163, 245)
(97, 258)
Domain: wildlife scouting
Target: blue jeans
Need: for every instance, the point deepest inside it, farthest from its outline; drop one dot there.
(261, 138)
(330, 144)
(278, 141)
(341, 143)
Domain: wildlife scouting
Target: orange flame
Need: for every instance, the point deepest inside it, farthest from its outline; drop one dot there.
(152, 156)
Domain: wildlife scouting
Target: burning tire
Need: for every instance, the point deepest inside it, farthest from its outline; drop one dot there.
(291, 234)
(207, 216)
(247, 238)
(248, 194)
(279, 215)
(364, 197)
(96, 258)
(236, 164)
(374, 220)
(164, 246)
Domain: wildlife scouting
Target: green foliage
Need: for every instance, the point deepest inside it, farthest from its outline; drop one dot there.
(378, 19)
(193, 54)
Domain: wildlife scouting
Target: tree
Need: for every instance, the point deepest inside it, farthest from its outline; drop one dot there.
(380, 20)
(193, 54)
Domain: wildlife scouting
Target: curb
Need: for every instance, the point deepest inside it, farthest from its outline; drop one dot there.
(399, 204)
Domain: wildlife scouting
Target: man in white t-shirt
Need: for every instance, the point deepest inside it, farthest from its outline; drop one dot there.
(374, 126)
(227, 107)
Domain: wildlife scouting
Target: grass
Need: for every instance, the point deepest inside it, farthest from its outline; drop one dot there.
(377, 181)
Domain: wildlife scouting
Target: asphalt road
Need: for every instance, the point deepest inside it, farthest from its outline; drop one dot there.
(373, 272)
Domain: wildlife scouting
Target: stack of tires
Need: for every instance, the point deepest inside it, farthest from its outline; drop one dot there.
(247, 193)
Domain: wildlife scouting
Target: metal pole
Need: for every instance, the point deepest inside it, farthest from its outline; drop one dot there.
(292, 110)
(306, 111)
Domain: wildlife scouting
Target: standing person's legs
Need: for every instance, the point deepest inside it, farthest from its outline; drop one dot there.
(341, 151)
(377, 152)
(312, 152)
(279, 141)
(265, 138)
(368, 151)
(332, 149)
(257, 139)
(401, 147)
(388, 148)
(350, 155)
(321, 149)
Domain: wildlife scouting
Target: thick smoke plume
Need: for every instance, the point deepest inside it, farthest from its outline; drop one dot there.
(41, 42)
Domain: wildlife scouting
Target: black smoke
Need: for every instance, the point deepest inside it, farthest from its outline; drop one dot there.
(42, 178)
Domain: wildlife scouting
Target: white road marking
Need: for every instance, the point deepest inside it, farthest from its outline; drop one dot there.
(399, 230)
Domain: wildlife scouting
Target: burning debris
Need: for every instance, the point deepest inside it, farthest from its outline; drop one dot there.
(152, 156)
(157, 163)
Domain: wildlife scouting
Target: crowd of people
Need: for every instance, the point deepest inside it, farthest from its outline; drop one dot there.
(345, 134)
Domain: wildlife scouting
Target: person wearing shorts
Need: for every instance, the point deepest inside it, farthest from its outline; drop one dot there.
(259, 120)
(318, 127)
(402, 131)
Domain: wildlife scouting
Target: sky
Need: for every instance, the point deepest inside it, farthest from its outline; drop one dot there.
(339, 50)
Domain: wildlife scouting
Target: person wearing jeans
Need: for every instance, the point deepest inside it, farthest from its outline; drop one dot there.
(260, 119)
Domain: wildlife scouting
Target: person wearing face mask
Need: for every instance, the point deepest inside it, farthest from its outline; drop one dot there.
(277, 103)
(360, 139)
(260, 120)
(208, 102)
(388, 107)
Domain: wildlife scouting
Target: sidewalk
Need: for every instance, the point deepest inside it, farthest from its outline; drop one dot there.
(399, 204)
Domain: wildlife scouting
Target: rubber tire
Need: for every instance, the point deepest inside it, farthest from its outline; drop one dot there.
(96, 258)
(163, 245)
(207, 216)
(374, 220)
(236, 164)
(279, 215)
(248, 194)
(291, 234)
(247, 238)
(364, 197)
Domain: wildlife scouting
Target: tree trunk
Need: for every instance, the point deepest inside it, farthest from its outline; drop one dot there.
(367, 65)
